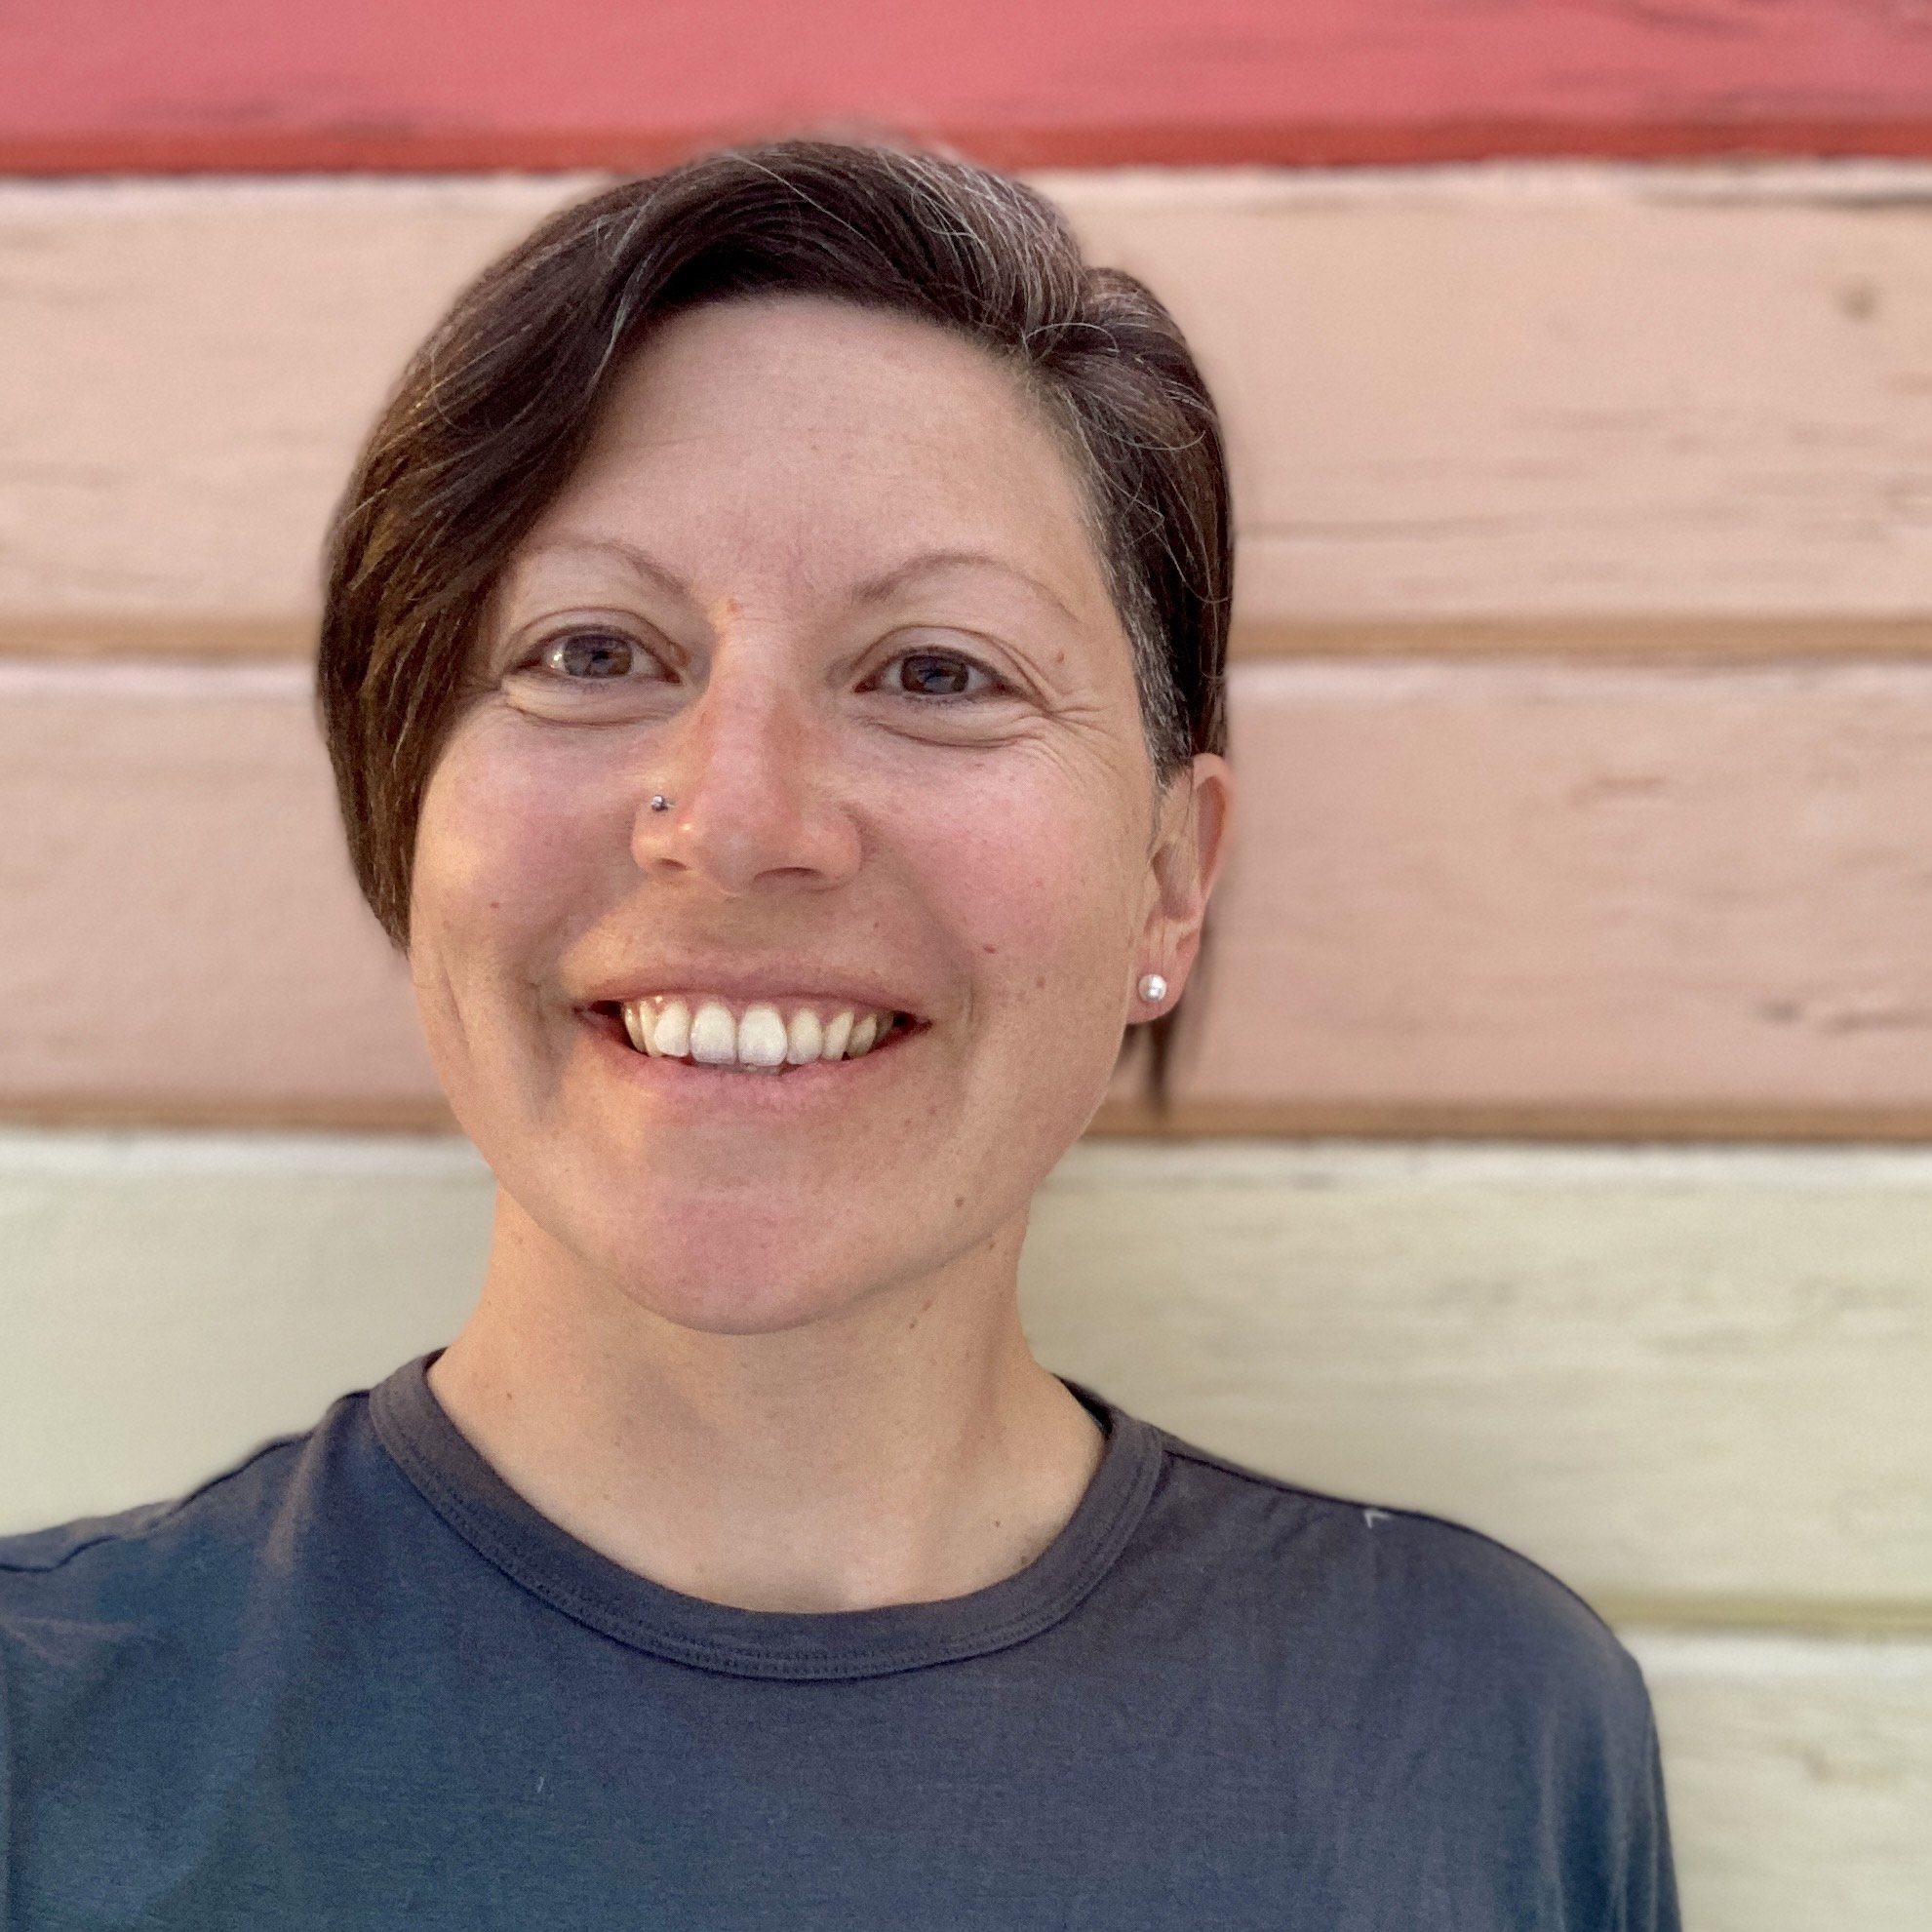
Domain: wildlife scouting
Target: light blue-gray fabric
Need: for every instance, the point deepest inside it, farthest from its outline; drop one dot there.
(357, 1682)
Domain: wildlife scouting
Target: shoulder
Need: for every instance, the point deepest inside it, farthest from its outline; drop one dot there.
(88, 1602)
(1458, 1619)
(103, 1555)
(91, 1554)
(1470, 1693)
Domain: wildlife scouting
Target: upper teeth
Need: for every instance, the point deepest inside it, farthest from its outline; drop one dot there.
(667, 1027)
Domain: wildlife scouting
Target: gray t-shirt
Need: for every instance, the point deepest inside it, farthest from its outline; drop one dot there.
(357, 1682)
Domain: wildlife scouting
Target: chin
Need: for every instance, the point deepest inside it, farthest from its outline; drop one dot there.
(731, 1306)
(725, 1280)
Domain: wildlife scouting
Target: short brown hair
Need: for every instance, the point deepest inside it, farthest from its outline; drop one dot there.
(494, 411)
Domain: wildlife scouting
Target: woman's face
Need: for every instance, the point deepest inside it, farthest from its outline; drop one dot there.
(823, 579)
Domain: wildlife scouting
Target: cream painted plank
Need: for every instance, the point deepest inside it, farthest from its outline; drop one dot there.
(1689, 1382)
(1581, 389)
(1798, 1774)
(169, 1302)
(1508, 886)
(1666, 1375)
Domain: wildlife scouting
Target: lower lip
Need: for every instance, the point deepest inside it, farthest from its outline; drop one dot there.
(814, 1084)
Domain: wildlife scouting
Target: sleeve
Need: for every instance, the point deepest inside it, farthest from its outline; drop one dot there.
(1649, 1876)
(9, 1876)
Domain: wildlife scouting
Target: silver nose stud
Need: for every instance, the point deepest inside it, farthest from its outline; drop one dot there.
(659, 803)
(1153, 987)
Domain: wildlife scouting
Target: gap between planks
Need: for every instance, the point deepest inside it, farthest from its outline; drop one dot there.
(1589, 639)
(1283, 1121)
(1782, 1616)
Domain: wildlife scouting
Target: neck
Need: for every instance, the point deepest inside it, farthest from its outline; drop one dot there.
(904, 1448)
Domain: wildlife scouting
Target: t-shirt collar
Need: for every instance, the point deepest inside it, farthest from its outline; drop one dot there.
(475, 1502)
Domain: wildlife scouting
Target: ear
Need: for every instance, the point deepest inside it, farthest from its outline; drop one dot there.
(1191, 845)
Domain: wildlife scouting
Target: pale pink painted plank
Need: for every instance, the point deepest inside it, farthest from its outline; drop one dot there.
(177, 910)
(1519, 884)
(1578, 392)
(1479, 884)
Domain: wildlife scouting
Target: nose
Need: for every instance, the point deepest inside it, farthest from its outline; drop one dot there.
(751, 772)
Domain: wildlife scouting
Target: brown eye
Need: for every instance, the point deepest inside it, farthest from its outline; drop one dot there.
(937, 674)
(589, 657)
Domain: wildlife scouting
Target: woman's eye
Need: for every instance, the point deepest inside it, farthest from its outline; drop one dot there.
(937, 674)
(589, 657)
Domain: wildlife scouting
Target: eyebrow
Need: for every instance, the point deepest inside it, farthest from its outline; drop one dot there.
(876, 589)
(870, 590)
(637, 561)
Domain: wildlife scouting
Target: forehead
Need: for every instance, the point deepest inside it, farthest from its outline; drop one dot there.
(818, 437)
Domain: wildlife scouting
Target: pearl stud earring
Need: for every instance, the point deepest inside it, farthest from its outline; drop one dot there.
(1153, 987)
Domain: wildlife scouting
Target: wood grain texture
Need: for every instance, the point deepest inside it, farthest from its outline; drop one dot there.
(1690, 1383)
(1489, 894)
(1568, 395)
(1614, 401)
(1519, 885)
(1660, 1374)
(416, 84)
(167, 1304)
(1798, 1777)
(184, 917)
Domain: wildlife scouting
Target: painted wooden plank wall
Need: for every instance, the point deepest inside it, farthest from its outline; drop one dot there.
(1690, 1381)
(1687, 1379)
(167, 1302)
(1614, 900)
(1655, 1370)
(1595, 413)
(1678, 415)
(1595, 410)
(1799, 1778)
(410, 84)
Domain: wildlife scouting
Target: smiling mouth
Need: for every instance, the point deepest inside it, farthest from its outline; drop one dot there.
(708, 1050)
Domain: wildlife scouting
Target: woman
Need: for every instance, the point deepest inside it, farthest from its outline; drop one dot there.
(773, 671)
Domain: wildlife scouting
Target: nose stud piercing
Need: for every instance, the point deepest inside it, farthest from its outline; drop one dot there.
(659, 803)
(1153, 987)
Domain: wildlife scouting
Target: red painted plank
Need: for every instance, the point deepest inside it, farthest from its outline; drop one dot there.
(91, 86)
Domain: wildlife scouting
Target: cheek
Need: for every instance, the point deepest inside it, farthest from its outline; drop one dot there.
(1038, 894)
(500, 851)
